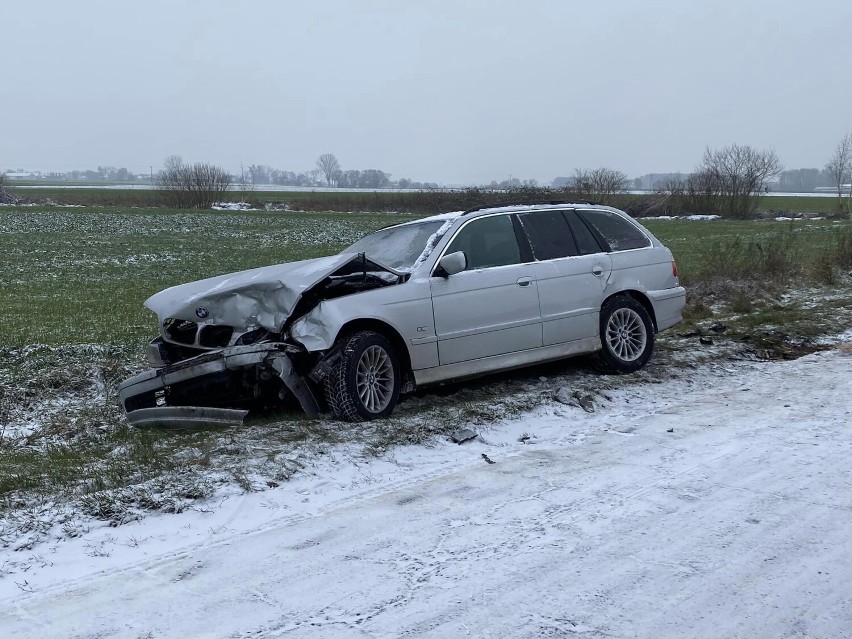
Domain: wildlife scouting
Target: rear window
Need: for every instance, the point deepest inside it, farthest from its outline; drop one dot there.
(549, 234)
(617, 232)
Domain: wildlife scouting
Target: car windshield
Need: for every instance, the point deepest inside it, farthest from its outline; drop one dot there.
(398, 247)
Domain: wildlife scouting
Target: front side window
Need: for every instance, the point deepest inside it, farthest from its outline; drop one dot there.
(489, 241)
(618, 233)
(549, 234)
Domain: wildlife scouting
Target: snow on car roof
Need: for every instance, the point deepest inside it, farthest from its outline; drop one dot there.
(533, 207)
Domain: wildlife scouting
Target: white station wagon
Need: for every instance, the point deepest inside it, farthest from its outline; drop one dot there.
(442, 298)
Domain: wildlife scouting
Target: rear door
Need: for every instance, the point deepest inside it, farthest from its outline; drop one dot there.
(492, 307)
(571, 272)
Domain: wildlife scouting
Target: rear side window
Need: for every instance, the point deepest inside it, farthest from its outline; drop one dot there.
(585, 239)
(489, 241)
(617, 232)
(549, 234)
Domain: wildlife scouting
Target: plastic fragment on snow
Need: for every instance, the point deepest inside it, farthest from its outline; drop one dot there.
(463, 435)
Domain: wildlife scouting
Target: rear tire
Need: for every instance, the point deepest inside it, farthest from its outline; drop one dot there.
(627, 336)
(365, 383)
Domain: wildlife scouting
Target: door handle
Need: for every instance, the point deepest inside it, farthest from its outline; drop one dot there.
(524, 281)
(597, 271)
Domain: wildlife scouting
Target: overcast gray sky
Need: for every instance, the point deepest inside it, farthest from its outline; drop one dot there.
(451, 91)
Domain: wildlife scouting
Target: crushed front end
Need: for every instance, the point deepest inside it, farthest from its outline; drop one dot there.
(218, 387)
(223, 347)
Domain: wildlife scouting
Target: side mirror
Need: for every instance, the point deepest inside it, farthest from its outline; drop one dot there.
(453, 263)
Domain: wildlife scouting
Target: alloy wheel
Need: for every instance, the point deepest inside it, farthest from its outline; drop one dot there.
(374, 379)
(626, 335)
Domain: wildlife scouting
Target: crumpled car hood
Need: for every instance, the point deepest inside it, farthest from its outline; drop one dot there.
(260, 297)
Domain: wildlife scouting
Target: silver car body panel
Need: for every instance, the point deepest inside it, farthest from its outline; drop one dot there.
(511, 323)
(508, 361)
(668, 306)
(571, 290)
(406, 308)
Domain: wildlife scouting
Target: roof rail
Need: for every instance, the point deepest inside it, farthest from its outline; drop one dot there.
(535, 203)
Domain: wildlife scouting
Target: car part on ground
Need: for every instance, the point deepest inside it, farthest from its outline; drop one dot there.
(490, 290)
(186, 417)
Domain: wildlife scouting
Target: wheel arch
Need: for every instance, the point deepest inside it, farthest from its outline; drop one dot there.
(640, 297)
(385, 329)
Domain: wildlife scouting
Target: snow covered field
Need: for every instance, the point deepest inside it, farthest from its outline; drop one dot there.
(715, 504)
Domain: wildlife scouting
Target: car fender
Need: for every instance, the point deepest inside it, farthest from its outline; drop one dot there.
(406, 308)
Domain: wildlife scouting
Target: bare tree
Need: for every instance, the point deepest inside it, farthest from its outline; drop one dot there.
(172, 163)
(693, 193)
(840, 167)
(600, 184)
(5, 196)
(734, 176)
(328, 166)
(185, 186)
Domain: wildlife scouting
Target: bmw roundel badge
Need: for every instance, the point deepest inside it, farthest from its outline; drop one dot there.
(201, 312)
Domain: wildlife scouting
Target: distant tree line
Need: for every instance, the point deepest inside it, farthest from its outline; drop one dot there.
(105, 174)
(727, 181)
(328, 172)
(804, 180)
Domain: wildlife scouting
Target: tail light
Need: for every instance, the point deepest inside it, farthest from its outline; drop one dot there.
(674, 268)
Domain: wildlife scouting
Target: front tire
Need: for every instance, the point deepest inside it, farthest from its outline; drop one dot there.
(365, 384)
(627, 335)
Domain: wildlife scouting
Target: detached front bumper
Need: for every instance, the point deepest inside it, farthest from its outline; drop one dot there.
(186, 416)
(145, 397)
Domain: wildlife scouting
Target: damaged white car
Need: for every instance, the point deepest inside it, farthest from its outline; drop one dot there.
(442, 298)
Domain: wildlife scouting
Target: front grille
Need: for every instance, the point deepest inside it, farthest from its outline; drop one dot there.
(188, 333)
(180, 331)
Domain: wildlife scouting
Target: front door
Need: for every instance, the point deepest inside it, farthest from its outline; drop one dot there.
(492, 307)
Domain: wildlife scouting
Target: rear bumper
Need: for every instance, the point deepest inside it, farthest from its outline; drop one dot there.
(668, 306)
(145, 397)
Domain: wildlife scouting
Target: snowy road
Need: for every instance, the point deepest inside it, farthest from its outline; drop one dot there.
(736, 524)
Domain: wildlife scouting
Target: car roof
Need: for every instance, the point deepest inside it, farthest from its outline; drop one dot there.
(532, 206)
(509, 208)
